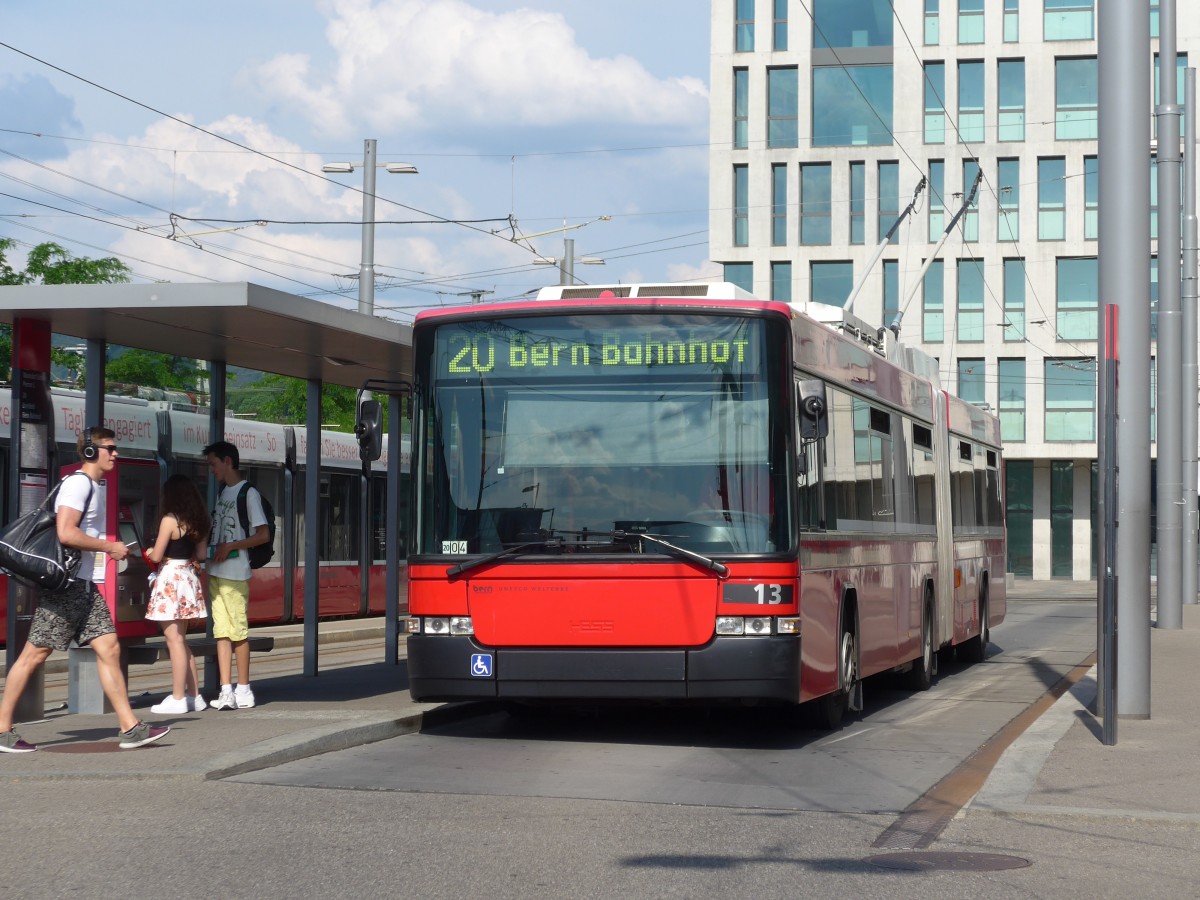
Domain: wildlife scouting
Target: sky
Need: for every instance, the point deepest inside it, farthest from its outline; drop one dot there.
(165, 133)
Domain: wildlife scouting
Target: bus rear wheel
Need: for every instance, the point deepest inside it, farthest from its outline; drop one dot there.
(975, 649)
(920, 676)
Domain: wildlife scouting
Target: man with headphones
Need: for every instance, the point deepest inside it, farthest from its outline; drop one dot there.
(78, 612)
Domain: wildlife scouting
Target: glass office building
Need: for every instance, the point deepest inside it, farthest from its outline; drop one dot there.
(825, 115)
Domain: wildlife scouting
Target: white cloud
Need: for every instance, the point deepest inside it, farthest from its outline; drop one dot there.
(444, 65)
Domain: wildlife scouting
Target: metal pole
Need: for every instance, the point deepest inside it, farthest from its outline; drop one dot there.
(568, 262)
(1106, 697)
(217, 373)
(1124, 251)
(1191, 375)
(1170, 332)
(392, 600)
(312, 513)
(366, 271)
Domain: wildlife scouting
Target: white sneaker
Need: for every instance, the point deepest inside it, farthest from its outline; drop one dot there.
(197, 703)
(225, 701)
(170, 706)
(243, 698)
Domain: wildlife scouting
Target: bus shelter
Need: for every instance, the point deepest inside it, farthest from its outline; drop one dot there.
(246, 325)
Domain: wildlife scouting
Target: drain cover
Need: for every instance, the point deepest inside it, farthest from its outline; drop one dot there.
(944, 861)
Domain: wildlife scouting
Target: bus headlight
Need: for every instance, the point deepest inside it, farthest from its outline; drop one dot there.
(758, 625)
(411, 625)
(461, 625)
(437, 625)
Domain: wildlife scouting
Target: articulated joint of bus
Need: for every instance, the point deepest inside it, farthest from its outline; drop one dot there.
(756, 626)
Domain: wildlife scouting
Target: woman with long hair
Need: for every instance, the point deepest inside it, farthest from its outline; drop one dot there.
(178, 596)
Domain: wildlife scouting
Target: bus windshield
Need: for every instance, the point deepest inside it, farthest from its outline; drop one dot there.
(578, 427)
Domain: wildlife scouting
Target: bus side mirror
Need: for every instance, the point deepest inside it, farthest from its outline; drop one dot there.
(369, 430)
(814, 418)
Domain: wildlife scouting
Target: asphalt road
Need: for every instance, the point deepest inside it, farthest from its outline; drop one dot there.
(604, 805)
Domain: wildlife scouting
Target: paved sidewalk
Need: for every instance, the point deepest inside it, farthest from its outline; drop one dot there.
(1058, 767)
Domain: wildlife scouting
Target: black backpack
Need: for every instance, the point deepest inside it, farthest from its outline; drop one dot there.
(260, 555)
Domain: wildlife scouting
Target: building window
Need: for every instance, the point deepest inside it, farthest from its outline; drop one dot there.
(1008, 209)
(852, 23)
(933, 312)
(1091, 198)
(1052, 192)
(970, 221)
(741, 109)
(852, 106)
(935, 107)
(971, 384)
(858, 202)
(1014, 300)
(932, 31)
(741, 206)
(1154, 298)
(1012, 22)
(815, 203)
(970, 102)
(1010, 90)
(832, 282)
(970, 21)
(779, 33)
(1018, 515)
(779, 204)
(1078, 298)
(781, 282)
(783, 108)
(1070, 399)
(891, 290)
(1069, 20)
(1076, 99)
(1062, 517)
(743, 27)
(937, 199)
(1012, 399)
(889, 198)
(969, 322)
(740, 274)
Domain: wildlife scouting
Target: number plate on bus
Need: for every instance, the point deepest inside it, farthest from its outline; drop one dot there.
(767, 594)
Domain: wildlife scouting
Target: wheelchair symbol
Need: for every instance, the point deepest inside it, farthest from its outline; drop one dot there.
(481, 665)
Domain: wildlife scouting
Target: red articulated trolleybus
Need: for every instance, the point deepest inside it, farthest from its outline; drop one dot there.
(682, 493)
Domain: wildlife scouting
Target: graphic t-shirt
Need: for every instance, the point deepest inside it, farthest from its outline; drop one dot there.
(228, 527)
(74, 494)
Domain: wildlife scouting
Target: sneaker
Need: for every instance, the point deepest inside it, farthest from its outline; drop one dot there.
(243, 698)
(170, 706)
(225, 701)
(141, 734)
(196, 704)
(11, 742)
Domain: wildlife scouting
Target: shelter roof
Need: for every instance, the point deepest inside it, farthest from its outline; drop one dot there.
(239, 323)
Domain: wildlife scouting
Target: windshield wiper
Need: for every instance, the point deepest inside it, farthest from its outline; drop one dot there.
(550, 543)
(711, 564)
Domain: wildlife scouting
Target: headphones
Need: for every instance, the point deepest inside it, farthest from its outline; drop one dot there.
(89, 451)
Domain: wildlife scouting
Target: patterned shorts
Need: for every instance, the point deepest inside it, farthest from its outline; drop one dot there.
(77, 612)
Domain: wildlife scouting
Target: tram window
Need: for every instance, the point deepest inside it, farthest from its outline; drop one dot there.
(338, 515)
(379, 533)
(981, 489)
(924, 482)
(995, 508)
(962, 488)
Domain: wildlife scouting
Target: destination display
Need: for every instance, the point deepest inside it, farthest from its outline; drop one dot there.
(581, 345)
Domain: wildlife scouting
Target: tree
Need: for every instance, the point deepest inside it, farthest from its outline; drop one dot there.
(48, 263)
(160, 370)
(281, 398)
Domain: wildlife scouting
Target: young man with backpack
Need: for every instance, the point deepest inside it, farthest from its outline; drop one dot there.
(234, 534)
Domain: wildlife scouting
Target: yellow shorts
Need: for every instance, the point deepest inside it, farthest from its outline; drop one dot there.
(228, 601)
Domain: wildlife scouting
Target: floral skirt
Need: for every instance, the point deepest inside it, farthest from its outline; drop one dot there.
(177, 593)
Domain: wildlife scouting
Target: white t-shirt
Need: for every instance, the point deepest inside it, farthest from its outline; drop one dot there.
(74, 494)
(227, 526)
